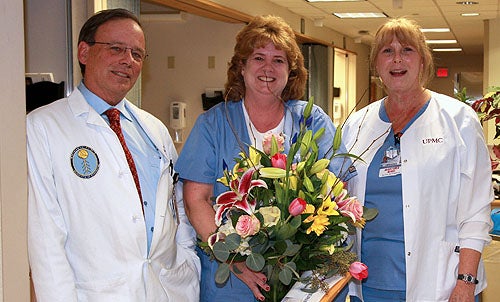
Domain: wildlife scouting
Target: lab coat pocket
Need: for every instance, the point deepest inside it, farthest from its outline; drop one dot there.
(447, 267)
(181, 283)
(112, 289)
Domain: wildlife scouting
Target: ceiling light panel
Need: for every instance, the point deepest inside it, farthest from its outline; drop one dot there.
(446, 49)
(441, 41)
(359, 15)
(435, 30)
(335, 0)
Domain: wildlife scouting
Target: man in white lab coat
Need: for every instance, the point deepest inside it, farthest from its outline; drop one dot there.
(94, 233)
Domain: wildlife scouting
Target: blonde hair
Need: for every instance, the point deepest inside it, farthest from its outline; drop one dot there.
(407, 32)
(259, 32)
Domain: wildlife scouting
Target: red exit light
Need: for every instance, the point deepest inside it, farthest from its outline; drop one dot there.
(442, 72)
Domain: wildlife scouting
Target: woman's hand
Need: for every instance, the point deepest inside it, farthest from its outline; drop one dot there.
(254, 280)
(468, 263)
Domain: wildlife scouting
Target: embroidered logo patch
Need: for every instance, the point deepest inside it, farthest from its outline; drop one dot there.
(84, 162)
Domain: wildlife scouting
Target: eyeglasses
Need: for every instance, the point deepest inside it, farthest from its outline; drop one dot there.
(138, 54)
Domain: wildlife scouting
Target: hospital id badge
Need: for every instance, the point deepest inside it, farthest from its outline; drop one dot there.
(391, 163)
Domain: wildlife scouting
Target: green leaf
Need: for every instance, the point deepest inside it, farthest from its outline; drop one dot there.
(369, 213)
(296, 222)
(285, 231)
(318, 134)
(291, 265)
(280, 246)
(285, 275)
(292, 249)
(232, 241)
(259, 244)
(307, 184)
(337, 139)
(308, 109)
(221, 252)
(255, 262)
(306, 143)
(274, 146)
(222, 273)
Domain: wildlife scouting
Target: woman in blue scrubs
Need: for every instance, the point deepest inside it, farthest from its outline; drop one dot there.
(266, 79)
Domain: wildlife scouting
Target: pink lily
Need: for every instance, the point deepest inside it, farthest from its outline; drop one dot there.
(238, 196)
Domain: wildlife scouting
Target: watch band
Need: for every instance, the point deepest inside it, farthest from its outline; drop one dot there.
(467, 278)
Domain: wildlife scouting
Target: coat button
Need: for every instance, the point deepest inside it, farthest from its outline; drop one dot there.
(409, 254)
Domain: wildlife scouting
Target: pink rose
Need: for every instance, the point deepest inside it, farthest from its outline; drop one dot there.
(350, 207)
(297, 206)
(278, 160)
(358, 270)
(267, 141)
(247, 226)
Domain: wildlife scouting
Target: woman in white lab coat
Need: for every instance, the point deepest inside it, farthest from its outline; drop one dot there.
(426, 169)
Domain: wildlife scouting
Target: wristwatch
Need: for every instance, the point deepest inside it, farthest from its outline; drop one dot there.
(468, 278)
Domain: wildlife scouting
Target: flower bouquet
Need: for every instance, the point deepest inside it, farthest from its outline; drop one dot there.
(286, 214)
(488, 108)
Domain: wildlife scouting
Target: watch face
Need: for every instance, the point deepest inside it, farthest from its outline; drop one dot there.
(468, 278)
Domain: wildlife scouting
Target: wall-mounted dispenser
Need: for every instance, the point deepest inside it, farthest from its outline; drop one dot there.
(178, 120)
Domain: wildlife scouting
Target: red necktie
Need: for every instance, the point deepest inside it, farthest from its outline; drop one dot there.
(114, 122)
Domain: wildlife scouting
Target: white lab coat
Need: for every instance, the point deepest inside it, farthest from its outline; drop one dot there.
(447, 190)
(86, 236)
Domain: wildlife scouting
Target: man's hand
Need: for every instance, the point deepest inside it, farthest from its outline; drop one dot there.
(463, 292)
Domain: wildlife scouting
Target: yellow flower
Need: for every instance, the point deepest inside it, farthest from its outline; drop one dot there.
(309, 209)
(328, 248)
(328, 208)
(319, 224)
(293, 182)
(331, 182)
(228, 176)
(253, 158)
(360, 223)
(271, 215)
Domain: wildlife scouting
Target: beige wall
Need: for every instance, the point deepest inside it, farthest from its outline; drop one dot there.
(189, 43)
(14, 278)
(456, 63)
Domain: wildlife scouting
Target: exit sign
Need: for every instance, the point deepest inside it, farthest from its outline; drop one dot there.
(442, 72)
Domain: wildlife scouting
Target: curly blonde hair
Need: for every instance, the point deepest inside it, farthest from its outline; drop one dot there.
(259, 32)
(407, 32)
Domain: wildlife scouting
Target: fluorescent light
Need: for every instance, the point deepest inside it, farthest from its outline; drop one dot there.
(446, 49)
(469, 14)
(441, 41)
(164, 17)
(334, 0)
(435, 30)
(359, 15)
